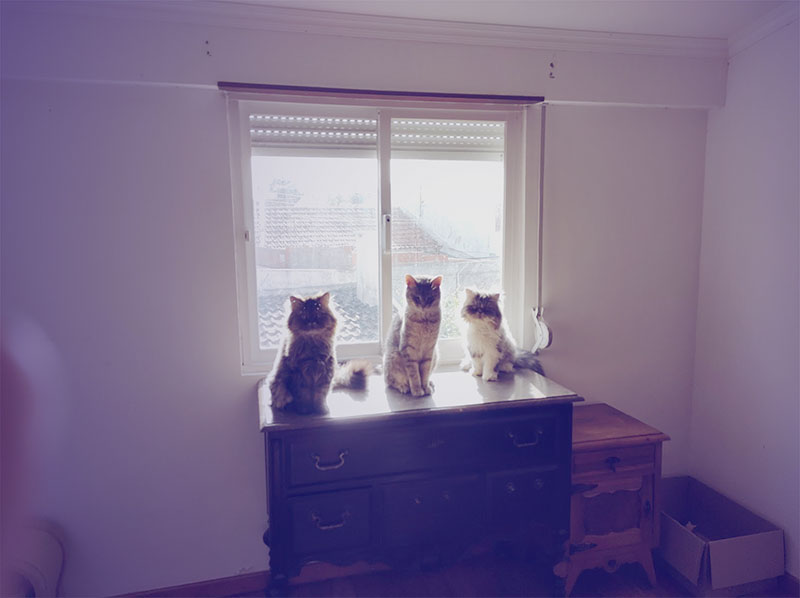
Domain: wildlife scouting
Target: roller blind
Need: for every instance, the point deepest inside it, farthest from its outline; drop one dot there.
(323, 131)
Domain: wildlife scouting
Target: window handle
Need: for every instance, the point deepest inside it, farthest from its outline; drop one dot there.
(386, 233)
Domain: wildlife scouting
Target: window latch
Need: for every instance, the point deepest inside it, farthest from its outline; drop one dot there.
(386, 233)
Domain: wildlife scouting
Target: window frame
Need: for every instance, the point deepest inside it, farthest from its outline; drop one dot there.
(519, 260)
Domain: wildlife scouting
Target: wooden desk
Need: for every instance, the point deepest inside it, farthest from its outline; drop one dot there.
(616, 471)
(390, 478)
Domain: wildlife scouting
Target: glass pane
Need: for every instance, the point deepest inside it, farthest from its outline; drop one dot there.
(316, 229)
(448, 191)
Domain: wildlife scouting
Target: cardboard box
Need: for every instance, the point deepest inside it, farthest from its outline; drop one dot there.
(716, 546)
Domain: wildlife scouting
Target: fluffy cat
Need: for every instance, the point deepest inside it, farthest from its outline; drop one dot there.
(305, 368)
(411, 353)
(490, 347)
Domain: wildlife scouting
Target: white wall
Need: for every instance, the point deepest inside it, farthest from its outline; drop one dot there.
(117, 240)
(623, 196)
(746, 401)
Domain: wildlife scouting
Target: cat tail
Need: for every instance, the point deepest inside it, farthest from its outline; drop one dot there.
(526, 359)
(352, 374)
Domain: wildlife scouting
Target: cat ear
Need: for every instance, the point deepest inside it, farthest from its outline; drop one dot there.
(436, 282)
(324, 298)
(410, 281)
(496, 297)
(296, 302)
(470, 294)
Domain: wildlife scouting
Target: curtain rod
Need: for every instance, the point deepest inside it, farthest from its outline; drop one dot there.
(340, 92)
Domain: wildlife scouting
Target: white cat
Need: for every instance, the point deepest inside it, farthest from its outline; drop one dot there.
(489, 345)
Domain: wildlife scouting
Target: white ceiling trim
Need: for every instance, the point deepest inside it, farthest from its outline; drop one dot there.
(246, 15)
(767, 25)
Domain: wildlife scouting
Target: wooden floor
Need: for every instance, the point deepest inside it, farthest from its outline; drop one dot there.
(492, 576)
(486, 576)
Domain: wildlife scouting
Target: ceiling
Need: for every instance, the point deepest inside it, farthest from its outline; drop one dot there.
(721, 19)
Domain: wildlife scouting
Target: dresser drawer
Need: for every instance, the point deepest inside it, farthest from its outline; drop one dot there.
(630, 460)
(333, 521)
(345, 455)
(524, 496)
(423, 512)
(519, 442)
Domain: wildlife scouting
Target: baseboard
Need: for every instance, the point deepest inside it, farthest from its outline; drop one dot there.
(226, 586)
(250, 583)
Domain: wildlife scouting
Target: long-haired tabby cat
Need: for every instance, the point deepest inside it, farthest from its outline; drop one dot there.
(305, 368)
(410, 354)
(490, 347)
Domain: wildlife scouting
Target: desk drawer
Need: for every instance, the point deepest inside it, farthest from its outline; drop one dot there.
(425, 511)
(524, 496)
(337, 456)
(636, 459)
(519, 442)
(333, 521)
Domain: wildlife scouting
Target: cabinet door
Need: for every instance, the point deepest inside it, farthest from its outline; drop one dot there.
(613, 512)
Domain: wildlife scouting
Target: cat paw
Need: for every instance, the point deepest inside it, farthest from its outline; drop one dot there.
(280, 401)
(490, 377)
(476, 373)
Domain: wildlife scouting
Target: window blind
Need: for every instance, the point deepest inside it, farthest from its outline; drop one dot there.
(319, 130)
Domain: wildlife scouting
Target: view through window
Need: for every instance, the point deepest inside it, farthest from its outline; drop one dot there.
(316, 209)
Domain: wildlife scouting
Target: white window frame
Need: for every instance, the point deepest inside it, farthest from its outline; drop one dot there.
(520, 218)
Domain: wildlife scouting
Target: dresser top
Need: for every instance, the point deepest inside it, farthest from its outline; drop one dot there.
(454, 391)
(598, 425)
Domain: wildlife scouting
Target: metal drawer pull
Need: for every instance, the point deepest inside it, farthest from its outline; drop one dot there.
(612, 463)
(329, 526)
(521, 444)
(328, 467)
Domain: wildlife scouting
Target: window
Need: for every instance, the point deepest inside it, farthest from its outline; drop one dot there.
(348, 198)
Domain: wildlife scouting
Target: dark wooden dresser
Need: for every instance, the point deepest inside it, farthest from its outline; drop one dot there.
(385, 477)
(616, 472)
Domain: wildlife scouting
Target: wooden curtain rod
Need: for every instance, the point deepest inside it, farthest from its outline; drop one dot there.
(377, 93)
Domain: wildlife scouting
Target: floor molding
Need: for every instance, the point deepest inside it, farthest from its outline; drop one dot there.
(250, 583)
(226, 586)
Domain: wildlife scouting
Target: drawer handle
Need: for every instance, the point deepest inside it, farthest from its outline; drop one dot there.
(329, 466)
(612, 463)
(521, 443)
(329, 526)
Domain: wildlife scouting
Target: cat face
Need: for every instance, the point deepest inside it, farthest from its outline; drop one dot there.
(423, 292)
(311, 314)
(484, 307)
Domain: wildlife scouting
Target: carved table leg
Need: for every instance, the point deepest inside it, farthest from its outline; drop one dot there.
(646, 559)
